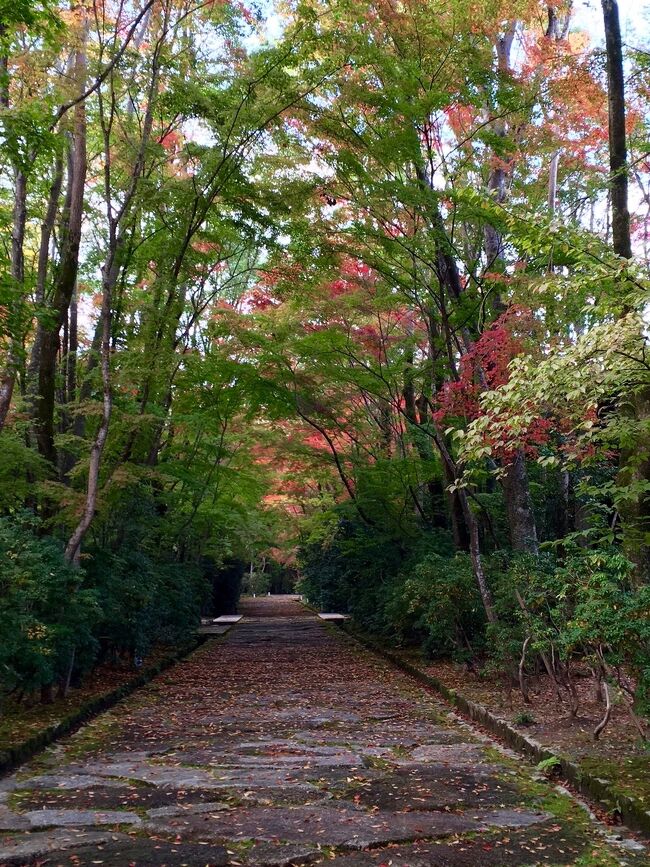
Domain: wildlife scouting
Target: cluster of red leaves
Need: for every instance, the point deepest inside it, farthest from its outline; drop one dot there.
(461, 119)
(370, 338)
(265, 294)
(259, 299)
(577, 117)
(272, 277)
(355, 275)
(485, 366)
(172, 141)
(202, 245)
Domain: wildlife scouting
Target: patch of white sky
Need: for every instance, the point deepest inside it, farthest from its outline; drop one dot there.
(634, 15)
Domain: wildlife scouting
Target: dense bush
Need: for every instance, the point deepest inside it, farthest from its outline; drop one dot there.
(144, 602)
(586, 607)
(410, 588)
(57, 620)
(439, 602)
(48, 614)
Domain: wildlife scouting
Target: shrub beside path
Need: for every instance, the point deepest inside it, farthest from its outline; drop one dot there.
(286, 744)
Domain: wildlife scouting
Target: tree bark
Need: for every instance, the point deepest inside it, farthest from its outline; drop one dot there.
(618, 167)
(67, 272)
(635, 463)
(8, 378)
(519, 507)
(69, 376)
(74, 543)
(473, 530)
(47, 227)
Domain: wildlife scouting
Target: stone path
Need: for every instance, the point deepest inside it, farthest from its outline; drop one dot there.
(286, 744)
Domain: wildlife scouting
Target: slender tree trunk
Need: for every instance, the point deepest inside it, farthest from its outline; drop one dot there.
(519, 507)
(475, 556)
(47, 229)
(617, 134)
(8, 377)
(473, 530)
(69, 372)
(67, 273)
(635, 463)
(108, 283)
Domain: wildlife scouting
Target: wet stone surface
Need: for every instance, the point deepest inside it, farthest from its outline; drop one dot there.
(285, 744)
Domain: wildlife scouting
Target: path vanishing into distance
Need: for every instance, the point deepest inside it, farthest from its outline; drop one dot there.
(285, 743)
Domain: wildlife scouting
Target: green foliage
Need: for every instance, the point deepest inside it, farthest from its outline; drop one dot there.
(132, 594)
(350, 570)
(417, 592)
(524, 718)
(584, 605)
(147, 596)
(144, 602)
(20, 469)
(47, 610)
(438, 600)
(549, 766)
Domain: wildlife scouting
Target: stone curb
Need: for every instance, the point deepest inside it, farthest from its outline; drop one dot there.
(14, 756)
(633, 813)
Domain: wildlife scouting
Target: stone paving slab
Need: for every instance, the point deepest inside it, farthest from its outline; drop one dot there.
(282, 745)
(336, 826)
(123, 851)
(21, 851)
(431, 787)
(79, 818)
(212, 629)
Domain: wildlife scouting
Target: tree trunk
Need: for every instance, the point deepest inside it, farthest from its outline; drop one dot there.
(67, 273)
(519, 507)
(47, 229)
(473, 530)
(8, 378)
(108, 282)
(635, 463)
(69, 372)
(617, 135)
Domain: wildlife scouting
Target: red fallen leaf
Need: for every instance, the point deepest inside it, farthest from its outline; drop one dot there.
(487, 847)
